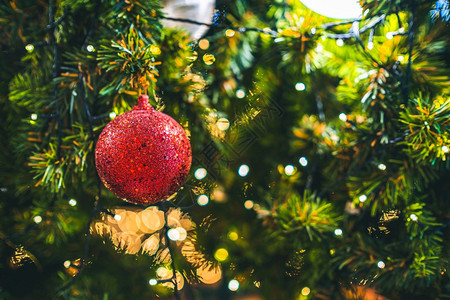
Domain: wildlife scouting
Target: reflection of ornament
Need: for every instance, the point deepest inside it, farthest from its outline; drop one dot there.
(196, 10)
(143, 156)
(336, 9)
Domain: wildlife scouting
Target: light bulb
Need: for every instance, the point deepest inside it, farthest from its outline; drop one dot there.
(243, 170)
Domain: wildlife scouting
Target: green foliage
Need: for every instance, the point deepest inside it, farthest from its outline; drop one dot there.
(428, 122)
(372, 124)
(307, 214)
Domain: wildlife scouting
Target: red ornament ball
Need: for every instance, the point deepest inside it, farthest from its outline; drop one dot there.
(143, 156)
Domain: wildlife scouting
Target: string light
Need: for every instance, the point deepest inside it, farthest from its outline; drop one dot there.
(221, 254)
(232, 235)
(203, 44)
(248, 204)
(240, 94)
(34, 117)
(243, 170)
(29, 48)
(362, 198)
(305, 291)
(37, 219)
(413, 217)
(340, 42)
(223, 124)
(90, 48)
(112, 115)
(400, 58)
(444, 149)
(202, 200)
(382, 167)
(370, 45)
(182, 233)
(72, 202)
(289, 170)
(389, 35)
(153, 281)
(173, 234)
(338, 232)
(233, 285)
(117, 217)
(300, 86)
(343, 117)
(303, 161)
(381, 264)
(229, 33)
(67, 264)
(200, 173)
(155, 50)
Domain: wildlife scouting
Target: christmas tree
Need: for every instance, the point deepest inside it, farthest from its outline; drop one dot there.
(320, 150)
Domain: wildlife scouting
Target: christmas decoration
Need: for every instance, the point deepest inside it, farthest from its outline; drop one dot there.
(196, 10)
(143, 156)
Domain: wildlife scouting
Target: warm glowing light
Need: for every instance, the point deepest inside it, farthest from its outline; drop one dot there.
(289, 170)
(112, 115)
(209, 59)
(153, 281)
(163, 273)
(381, 264)
(67, 264)
(389, 36)
(90, 48)
(240, 94)
(182, 233)
(305, 291)
(400, 58)
(203, 44)
(300, 86)
(34, 117)
(343, 117)
(223, 124)
(444, 149)
(155, 50)
(232, 235)
(209, 275)
(338, 232)
(370, 45)
(202, 200)
(303, 161)
(343, 9)
(243, 170)
(229, 33)
(200, 173)
(29, 48)
(248, 204)
(340, 42)
(413, 217)
(72, 202)
(117, 217)
(382, 167)
(173, 234)
(362, 198)
(221, 254)
(233, 285)
(37, 219)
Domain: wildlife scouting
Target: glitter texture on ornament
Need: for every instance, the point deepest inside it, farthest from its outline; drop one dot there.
(143, 156)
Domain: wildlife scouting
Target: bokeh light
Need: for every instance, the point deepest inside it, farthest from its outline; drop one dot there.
(243, 170)
(200, 173)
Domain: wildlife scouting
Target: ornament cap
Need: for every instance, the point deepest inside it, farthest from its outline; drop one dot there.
(143, 103)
